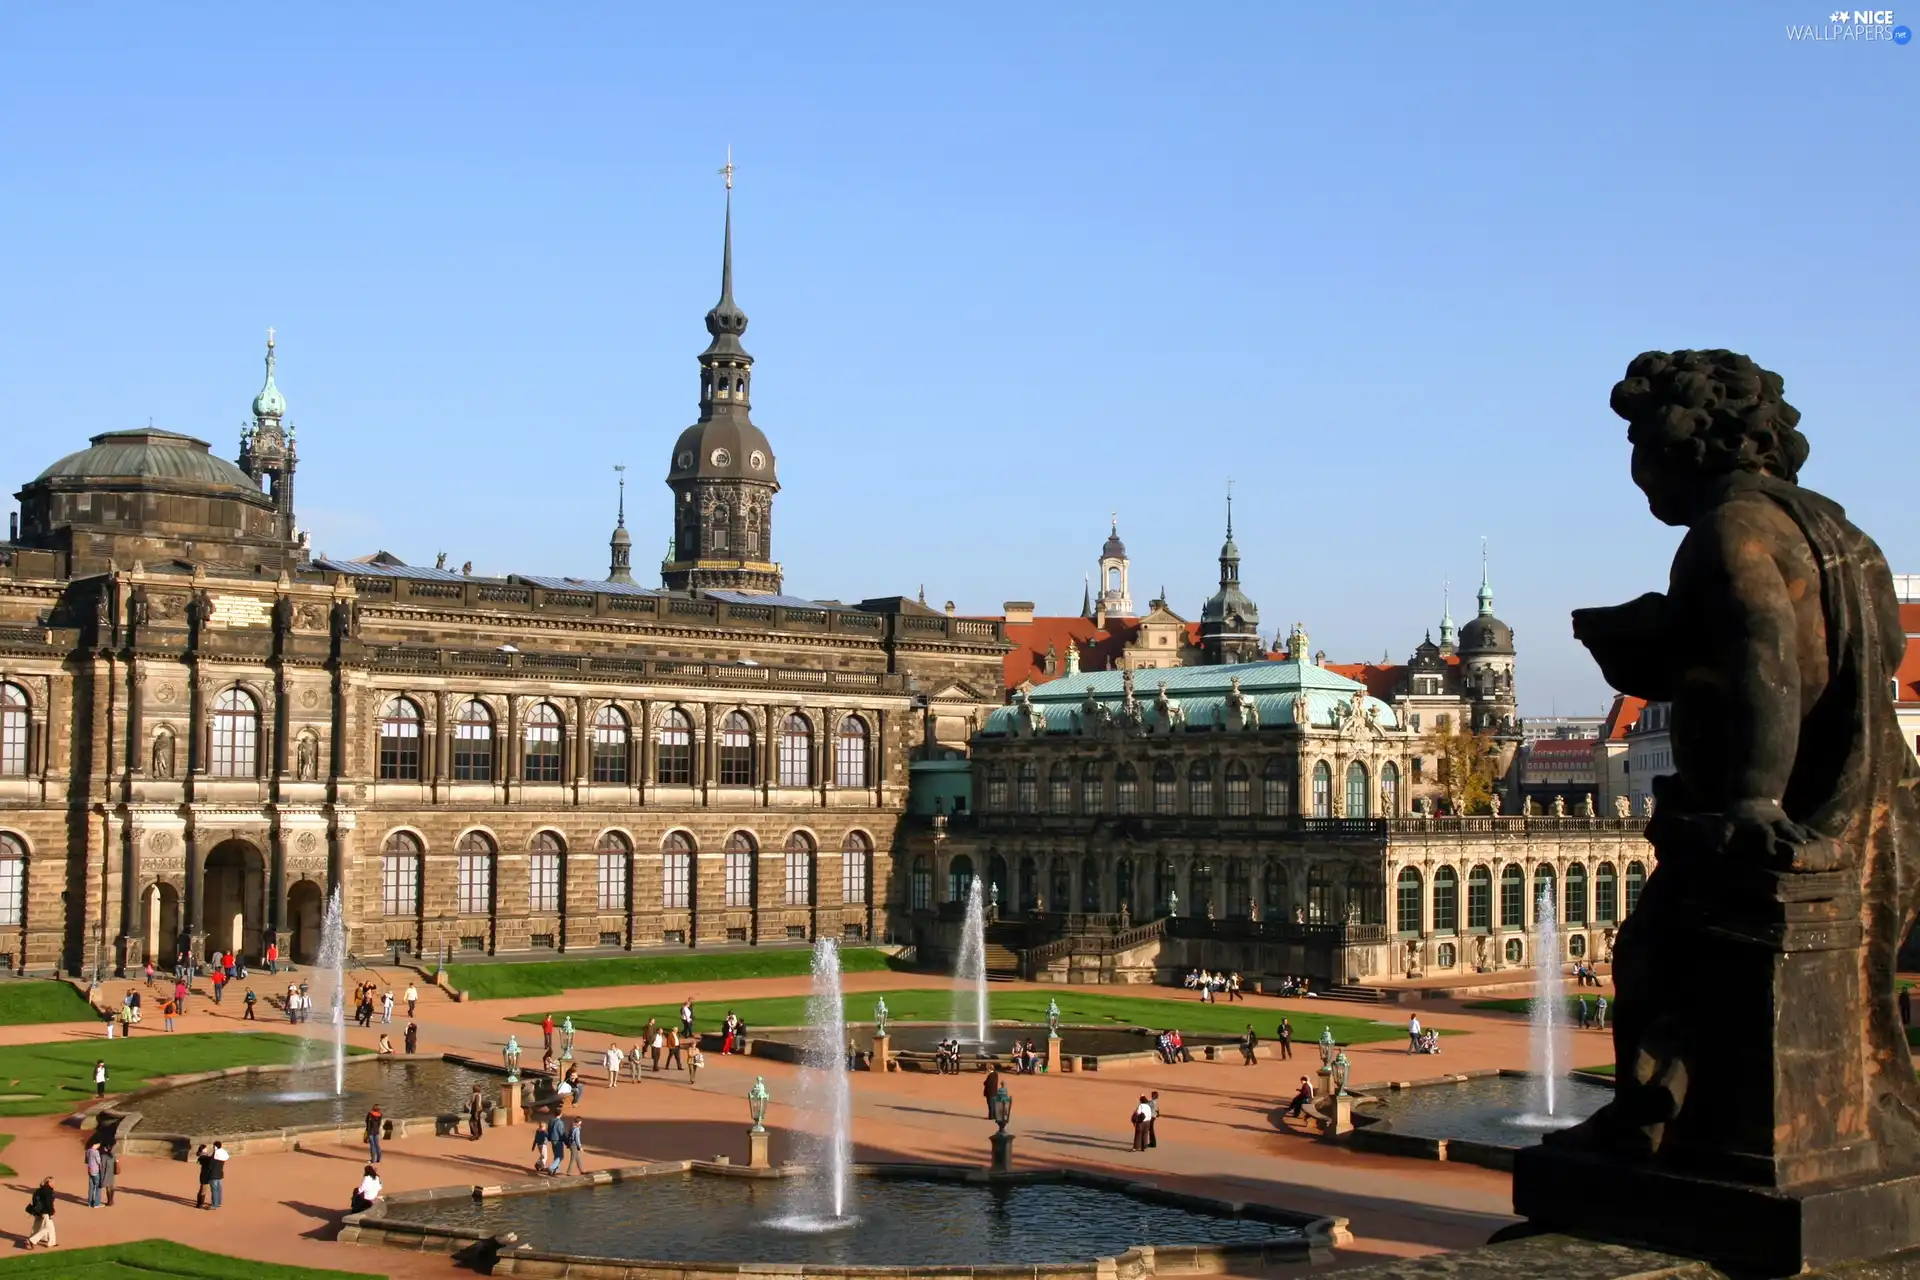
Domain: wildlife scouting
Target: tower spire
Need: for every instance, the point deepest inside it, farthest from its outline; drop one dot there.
(1229, 508)
(726, 249)
(1447, 633)
(620, 545)
(1486, 584)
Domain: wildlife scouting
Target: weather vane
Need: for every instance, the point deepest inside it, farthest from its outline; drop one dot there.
(726, 170)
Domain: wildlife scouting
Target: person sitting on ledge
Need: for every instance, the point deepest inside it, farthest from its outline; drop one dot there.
(1302, 1099)
(366, 1193)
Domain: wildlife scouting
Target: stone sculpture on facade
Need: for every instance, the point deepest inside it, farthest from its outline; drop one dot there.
(1622, 808)
(1766, 1114)
(161, 768)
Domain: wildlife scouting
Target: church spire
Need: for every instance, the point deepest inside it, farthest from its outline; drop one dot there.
(1486, 586)
(1447, 633)
(620, 546)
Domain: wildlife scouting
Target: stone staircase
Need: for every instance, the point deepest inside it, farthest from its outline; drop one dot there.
(1360, 995)
(1002, 955)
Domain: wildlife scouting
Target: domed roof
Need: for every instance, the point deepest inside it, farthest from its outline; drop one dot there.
(148, 455)
(727, 446)
(1486, 634)
(1113, 548)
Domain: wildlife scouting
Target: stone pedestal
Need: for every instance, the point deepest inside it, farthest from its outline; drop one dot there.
(511, 1111)
(1342, 1114)
(757, 1149)
(882, 1053)
(1053, 1054)
(1323, 1083)
(1002, 1152)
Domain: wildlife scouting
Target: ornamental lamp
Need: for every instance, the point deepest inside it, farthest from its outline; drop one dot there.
(1002, 1108)
(757, 1104)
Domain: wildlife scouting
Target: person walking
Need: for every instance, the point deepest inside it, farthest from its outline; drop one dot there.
(167, 1009)
(219, 980)
(686, 1018)
(540, 1150)
(93, 1173)
(1249, 1045)
(386, 1007)
(273, 957)
(374, 1124)
(988, 1088)
(636, 1060)
(100, 1078)
(412, 1038)
(1586, 1014)
(1413, 1033)
(180, 991)
(149, 971)
(413, 998)
(613, 1066)
(556, 1142)
(109, 1168)
(251, 1000)
(576, 1148)
(40, 1205)
(695, 1061)
(216, 1178)
(673, 1048)
(1142, 1118)
(476, 1114)
(1153, 1118)
(1286, 1038)
(1600, 1013)
(546, 1030)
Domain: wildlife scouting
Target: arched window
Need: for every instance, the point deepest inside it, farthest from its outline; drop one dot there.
(1166, 789)
(1239, 791)
(473, 742)
(739, 867)
(717, 528)
(540, 744)
(473, 886)
(13, 879)
(753, 532)
(799, 869)
(236, 735)
(676, 871)
(400, 861)
(1366, 895)
(1513, 897)
(1123, 885)
(959, 878)
(1319, 895)
(920, 884)
(673, 749)
(1606, 894)
(996, 789)
(1479, 900)
(856, 867)
(1446, 900)
(14, 723)
(610, 745)
(796, 751)
(1163, 890)
(1358, 805)
(1126, 789)
(1389, 790)
(1060, 890)
(1093, 788)
(1239, 903)
(736, 750)
(613, 859)
(1276, 788)
(1026, 787)
(1543, 892)
(1576, 909)
(1636, 881)
(1276, 898)
(400, 741)
(1406, 902)
(1322, 790)
(850, 753)
(1060, 788)
(1200, 790)
(1089, 884)
(546, 856)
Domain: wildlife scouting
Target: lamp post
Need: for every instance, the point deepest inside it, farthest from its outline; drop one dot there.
(757, 1135)
(512, 1110)
(566, 1038)
(1002, 1141)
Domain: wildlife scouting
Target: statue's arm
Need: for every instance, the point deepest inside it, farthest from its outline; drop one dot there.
(1741, 680)
(1630, 643)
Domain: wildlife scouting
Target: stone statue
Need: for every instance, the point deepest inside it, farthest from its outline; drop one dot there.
(1124, 914)
(1526, 808)
(1327, 1048)
(1413, 956)
(1494, 802)
(1559, 806)
(1788, 856)
(162, 764)
(1053, 1019)
(1302, 714)
(1646, 806)
(307, 758)
(1586, 805)
(1480, 944)
(880, 1016)
(1622, 807)
(566, 1038)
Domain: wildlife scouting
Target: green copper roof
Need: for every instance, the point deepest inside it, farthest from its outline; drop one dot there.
(269, 403)
(1201, 693)
(150, 454)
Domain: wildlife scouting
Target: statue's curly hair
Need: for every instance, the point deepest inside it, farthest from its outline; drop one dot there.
(1716, 409)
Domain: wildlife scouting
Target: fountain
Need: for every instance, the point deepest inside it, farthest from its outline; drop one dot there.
(1549, 1009)
(824, 1195)
(970, 974)
(327, 989)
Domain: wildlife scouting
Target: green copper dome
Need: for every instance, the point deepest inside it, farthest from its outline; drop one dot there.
(149, 454)
(269, 403)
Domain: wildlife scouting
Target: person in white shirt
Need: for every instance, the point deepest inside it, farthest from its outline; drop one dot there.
(413, 998)
(613, 1066)
(366, 1193)
(1413, 1033)
(1142, 1118)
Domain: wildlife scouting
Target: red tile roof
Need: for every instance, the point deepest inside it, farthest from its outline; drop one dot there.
(1568, 748)
(1099, 646)
(1381, 678)
(1908, 675)
(1622, 716)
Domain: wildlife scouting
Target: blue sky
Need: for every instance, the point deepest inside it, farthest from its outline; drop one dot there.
(1009, 268)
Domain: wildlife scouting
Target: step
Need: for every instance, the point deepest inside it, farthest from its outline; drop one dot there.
(1359, 994)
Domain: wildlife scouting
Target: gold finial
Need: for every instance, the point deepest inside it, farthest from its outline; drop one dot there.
(269, 335)
(726, 170)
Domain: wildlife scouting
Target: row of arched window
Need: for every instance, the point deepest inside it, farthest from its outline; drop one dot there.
(15, 721)
(233, 740)
(1614, 897)
(545, 747)
(475, 852)
(13, 879)
(1233, 795)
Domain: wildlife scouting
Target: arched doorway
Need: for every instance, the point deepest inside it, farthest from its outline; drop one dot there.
(162, 914)
(304, 913)
(997, 885)
(233, 895)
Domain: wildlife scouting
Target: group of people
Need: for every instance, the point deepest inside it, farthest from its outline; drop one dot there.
(1593, 1016)
(363, 1004)
(1212, 985)
(1292, 986)
(1421, 1039)
(1146, 1116)
(1172, 1047)
(556, 1140)
(1584, 975)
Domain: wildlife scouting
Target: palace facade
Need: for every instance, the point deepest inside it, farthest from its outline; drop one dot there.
(204, 733)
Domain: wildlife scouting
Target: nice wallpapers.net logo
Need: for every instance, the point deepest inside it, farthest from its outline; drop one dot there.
(1852, 26)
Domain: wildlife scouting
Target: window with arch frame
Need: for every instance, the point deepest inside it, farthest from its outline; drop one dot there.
(740, 856)
(676, 871)
(799, 869)
(717, 527)
(1446, 900)
(856, 867)
(473, 885)
(1276, 788)
(235, 735)
(1200, 795)
(673, 749)
(15, 725)
(850, 767)
(1513, 897)
(1093, 788)
(1322, 790)
(13, 879)
(1026, 787)
(1239, 791)
(1406, 902)
(610, 745)
(1126, 790)
(736, 750)
(400, 741)
(1479, 899)
(796, 751)
(1359, 804)
(1166, 789)
(1575, 909)
(1606, 894)
(996, 789)
(540, 739)
(1060, 788)
(400, 859)
(612, 856)
(1389, 790)
(546, 856)
(473, 742)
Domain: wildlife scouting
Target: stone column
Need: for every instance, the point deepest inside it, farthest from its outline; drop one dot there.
(190, 898)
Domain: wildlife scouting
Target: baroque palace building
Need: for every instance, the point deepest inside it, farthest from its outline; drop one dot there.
(204, 732)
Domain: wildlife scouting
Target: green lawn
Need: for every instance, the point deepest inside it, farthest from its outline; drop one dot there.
(57, 1076)
(40, 1000)
(1076, 1005)
(146, 1259)
(6, 1171)
(1524, 1005)
(551, 977)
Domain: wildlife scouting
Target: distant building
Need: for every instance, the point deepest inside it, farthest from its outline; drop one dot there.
(1612, 753)
(1649, 752)
(1558, 769)
(1906, 684)
(1538, 727)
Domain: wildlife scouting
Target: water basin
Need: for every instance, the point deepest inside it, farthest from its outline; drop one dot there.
(290, 1099)
(1501, 1111)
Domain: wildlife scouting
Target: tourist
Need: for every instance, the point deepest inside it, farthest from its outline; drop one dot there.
(93, 1172)
(219, 981)
(1249, 1043)
(576, 1148)
(695, 1061)
(1586, 1014)
(127, 1016)
(540, 1149)
(412, 1040)
(149, 972)
(179, 995)
(374, 1124)
(556, 1142)
(572, 1082)
(1302, 1099)
(100, 1078)
(1153, 1117)
(413, 998)
(636, 1060)
(656, 1047)
(386, 1007)
(203, 1157)
(686, 1018)
(273, 957)
(109, 1167)
(1600, 1013)
(167, 1010)
(562, 1091)
(1180, 1049)
(476, 1113)
(613, 1066)
(217, 1176)
(1142, 1118)
(385, 1047)
(366, 1193)
(1413, 1033)
(1233, 989)
(40, 1205)
(1285, 1036)
(546, 1029)
(673, 1047)
(251, 1000)
(366, 1007)
(548, 1064)
(729, 1027)
(988, 1087)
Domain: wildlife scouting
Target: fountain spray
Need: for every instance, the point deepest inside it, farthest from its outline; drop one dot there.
(970, 973)
(1549, 1006)
(824, 1096)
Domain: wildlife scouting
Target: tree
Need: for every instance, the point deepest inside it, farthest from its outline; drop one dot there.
(1463, 763)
